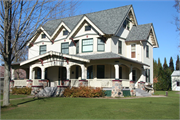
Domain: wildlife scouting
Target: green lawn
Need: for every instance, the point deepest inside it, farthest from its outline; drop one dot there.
(15, 96)
(90, 108)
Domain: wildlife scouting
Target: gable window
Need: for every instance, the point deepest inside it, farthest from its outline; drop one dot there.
(65, 32)
(178, 83)
(147, 51)
(87, 45)
(77, 47)
(88, 28)
(100, 71)
(147, 75)
(65, 48)
(126, 24)
(133, 50)
(100, 45)
(43, 35)
(90, 72)
(42, 49)
(120, 47)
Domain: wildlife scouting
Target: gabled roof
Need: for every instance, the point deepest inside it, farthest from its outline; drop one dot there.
(176, 73)
(139, 32)
(107, 21)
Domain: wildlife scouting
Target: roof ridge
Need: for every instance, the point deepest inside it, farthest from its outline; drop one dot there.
(90, 13)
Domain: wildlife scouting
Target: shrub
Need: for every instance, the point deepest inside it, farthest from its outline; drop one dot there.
(24, 90)
(83, 91)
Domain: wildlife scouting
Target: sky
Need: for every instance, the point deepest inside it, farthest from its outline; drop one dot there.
(160, 13)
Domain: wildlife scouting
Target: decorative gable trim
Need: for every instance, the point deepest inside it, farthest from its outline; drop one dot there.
(62, 24)
(84, 18)
(153, 37)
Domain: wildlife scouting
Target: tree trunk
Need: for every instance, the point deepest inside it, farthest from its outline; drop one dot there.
(7, 79)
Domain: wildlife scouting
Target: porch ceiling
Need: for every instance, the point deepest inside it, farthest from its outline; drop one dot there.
(56, 54)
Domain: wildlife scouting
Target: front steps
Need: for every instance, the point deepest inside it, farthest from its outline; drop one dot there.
(143, 93)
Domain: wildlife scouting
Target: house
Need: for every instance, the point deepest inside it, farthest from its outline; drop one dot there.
(175, 80)
(19, 74)
(95, 48)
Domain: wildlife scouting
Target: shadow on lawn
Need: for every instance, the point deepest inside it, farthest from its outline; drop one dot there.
(34, 99)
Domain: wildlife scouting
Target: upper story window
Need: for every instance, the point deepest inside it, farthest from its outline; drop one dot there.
(147, 51)
(87, 45)
(42, 49)
(65, 48)
(43, 35)
(100, 45)
(133, 50)
(120, 47)
(126, 24)
(77, 47)
(65, 32)
(88, 28)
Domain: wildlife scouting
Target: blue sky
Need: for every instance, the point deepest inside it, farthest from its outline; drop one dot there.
(160, 13)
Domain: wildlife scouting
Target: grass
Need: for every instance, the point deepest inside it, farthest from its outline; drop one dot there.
(15, 96)
(92, 108)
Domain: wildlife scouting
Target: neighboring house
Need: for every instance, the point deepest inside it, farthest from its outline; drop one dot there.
(175, 80)
(98, 47)
(20, 72)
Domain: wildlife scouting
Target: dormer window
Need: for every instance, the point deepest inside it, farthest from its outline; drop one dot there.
(88, 28)
(43, 36)
(65, 32)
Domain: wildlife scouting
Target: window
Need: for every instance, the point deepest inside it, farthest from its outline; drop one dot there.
(100, 71)
(87, 45)
(65, 32)
(120, 72)
(42, 49)
(100, 45)
(77, 47)
(126, 24)
(147, 51)
(147, 75)
(65, 48)
(90, 72)
(43, 35)
(120, 47)
(133, 50)
(134, 75)
(178, 83)
(87, 28)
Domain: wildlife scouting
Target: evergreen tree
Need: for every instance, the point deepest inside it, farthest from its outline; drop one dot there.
(159, 63)
(171, 65)
(177, 63)
(155, 68)
(165, 66)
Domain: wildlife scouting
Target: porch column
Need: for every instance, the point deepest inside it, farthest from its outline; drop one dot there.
(68, 72)
(42, 73)
(83, 72)
(130, 73)
(12, 74)
(31, 73)
(116, 71)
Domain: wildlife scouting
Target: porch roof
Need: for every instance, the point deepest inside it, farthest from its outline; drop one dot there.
(108, 55)
(54, 53)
